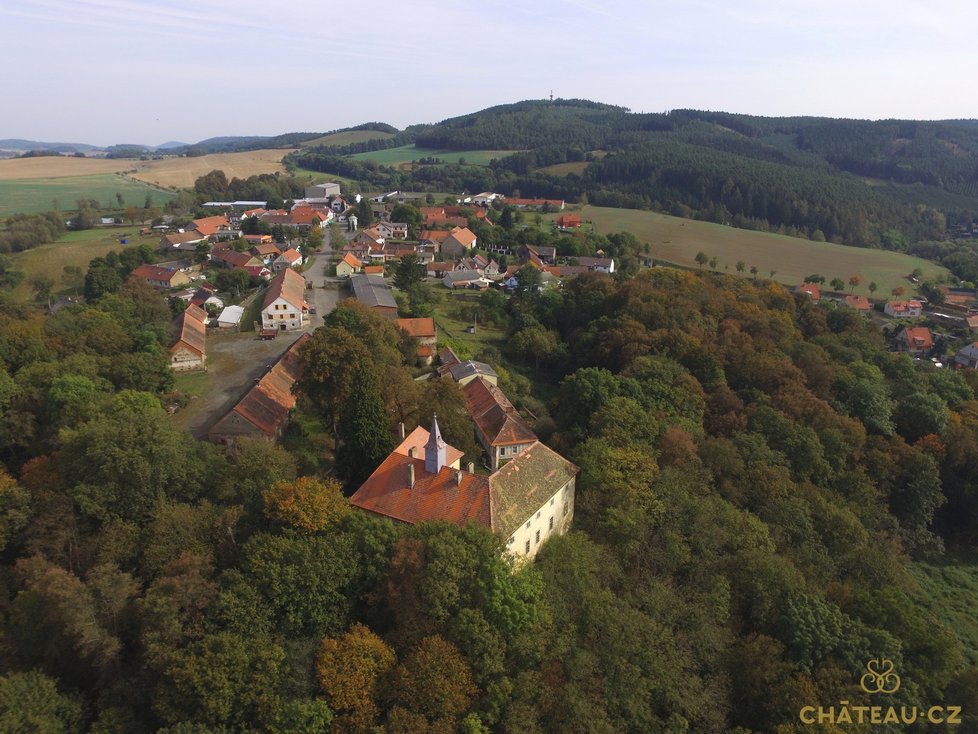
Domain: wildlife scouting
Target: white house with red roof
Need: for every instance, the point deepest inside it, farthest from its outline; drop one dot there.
(905, 309)
(284, 307)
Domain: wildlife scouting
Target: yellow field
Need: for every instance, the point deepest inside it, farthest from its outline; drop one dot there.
(169, 172)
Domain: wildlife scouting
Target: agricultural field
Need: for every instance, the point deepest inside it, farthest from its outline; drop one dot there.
(182, 172)
(172, 172)
(348, 137)
(403, 156)
(678, 240)
(74, 248)
(34, 195)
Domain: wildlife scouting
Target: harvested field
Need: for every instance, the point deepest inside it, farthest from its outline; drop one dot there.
(169, 172)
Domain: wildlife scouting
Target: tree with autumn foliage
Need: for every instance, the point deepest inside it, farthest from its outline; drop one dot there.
(307, 504)
(350, 669)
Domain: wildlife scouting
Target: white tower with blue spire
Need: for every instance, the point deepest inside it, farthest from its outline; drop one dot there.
(435, 451)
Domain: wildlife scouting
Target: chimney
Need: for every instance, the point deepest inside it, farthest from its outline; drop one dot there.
(471, 468)
(400, 431)
(458, 477)
(411, 474)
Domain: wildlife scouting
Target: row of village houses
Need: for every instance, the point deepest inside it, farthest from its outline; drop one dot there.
(917, 341)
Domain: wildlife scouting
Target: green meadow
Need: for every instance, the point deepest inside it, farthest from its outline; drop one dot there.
(676, 240)
(36, 195)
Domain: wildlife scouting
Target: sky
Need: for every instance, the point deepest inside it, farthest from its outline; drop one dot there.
(125, 71)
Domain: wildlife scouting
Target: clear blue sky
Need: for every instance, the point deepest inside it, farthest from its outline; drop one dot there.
(126, 71)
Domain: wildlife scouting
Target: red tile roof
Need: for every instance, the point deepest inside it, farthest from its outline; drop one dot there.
(154, 272)
(234, 258)
(918, 337)
(813, 291)
(419, 328)
(373, 269)
(211, 225)
(494, 415)
(192, 331)
(351, 260)
(292, 255)
(859, 302)
(463, 235)
(289, 285)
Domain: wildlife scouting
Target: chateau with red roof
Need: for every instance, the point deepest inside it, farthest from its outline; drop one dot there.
(498, 426)
(526, 501)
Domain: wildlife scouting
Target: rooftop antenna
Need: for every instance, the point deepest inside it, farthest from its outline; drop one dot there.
(551, 96)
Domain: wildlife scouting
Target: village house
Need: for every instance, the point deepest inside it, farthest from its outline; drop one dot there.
(373, 270)
(291, 258)
(537, 255)
(284, 306)
(265, 410)
(464, 372)
(348, 265)
(368, 237)
(458, 241)
(216, 229)
(392, 230)
(266, 250)
(373, 292)
(968, 357)
(438, 270)
(811, 290)
(226, 258)
(525, 502)
(569, 221)
(860, 303)
(159, 277)
(181, 241)
(597, 264)
(905, 309)
(499, 428)
(430, 240)
(422, 329)
(188, 351)
(915, 340)
(465, 279)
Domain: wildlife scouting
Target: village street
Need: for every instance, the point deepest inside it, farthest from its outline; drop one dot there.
(235, 361)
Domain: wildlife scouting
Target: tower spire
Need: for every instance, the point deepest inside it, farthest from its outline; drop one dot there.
(435, 451)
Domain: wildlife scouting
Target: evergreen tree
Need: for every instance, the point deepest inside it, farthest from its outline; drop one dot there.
(365, 437)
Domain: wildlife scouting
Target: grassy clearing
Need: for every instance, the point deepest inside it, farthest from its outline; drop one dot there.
(348, 137)
(408, 153)
(678, 240)
(949, 591)
(36, 195)
(191, 385)
(451, 326)
(562, 169)
(347, 184)
(74, 248)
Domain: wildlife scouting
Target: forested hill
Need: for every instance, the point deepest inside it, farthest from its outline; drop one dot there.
(904, 151)
(887, 183)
